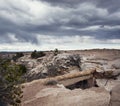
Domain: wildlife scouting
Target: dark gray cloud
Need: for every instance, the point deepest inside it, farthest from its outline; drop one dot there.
(111, 5)
(27, 19)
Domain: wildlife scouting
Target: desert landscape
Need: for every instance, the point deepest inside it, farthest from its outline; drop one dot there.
(71, 78)
(59, 52)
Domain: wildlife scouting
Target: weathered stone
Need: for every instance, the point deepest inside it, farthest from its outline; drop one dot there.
(65, 97)
(115, 64)
(116, 72)
(115, 96)
(108, 84)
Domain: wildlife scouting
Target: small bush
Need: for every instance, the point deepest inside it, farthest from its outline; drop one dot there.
(22, 69)
(75, 60)
(17, 56)
(36, 54)
(53, 70)
(56, 51)
(51, 82)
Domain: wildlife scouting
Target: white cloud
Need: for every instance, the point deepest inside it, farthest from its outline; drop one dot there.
(114, 16)
(74, 42)
(12, 37)
(64, 43)
(94, 28)
(91, 10)
(114, 41)
(116, 27)
(91, 28)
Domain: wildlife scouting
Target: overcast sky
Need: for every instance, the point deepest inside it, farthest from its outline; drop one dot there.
(63, 24)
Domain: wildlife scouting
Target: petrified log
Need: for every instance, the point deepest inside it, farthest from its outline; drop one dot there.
(112, 73)
(83, 75)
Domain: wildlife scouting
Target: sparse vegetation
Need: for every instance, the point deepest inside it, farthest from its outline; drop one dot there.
(36, 54)
(18, 55)
(53, 70)
(75, 60)
(22, 69)
(56, 51)
(51, 82)
(10, 80)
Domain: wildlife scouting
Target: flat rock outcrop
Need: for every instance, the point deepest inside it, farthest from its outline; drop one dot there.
(66, 97)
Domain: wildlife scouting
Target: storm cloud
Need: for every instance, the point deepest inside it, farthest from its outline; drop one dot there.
(52, 24)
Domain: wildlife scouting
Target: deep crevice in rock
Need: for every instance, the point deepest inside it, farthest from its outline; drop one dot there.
(82, 85)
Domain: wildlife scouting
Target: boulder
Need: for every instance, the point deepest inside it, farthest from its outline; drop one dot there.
(116, 72)
(86, 66)
(115, 64)
(108, 84)
(66, 61)
(115, 96)
(66, 97)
